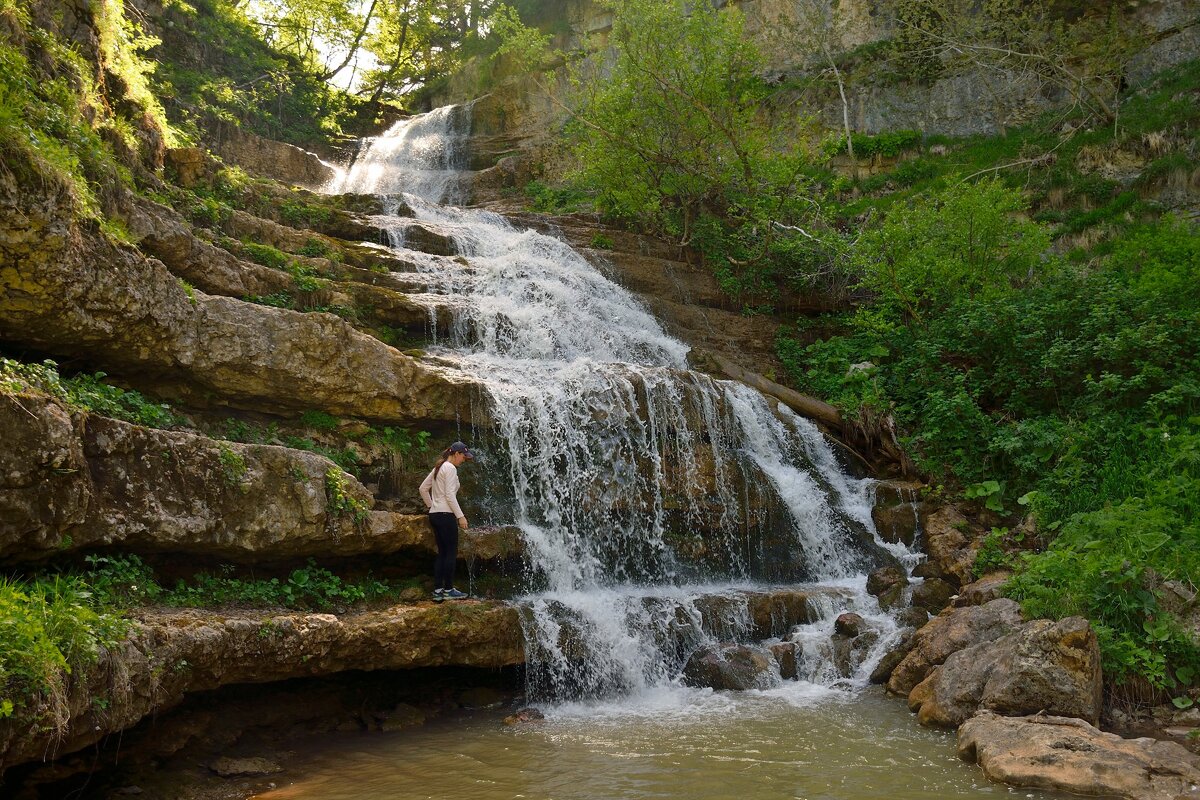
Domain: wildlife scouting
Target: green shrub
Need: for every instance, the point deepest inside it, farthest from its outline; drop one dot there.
(49, 628)
(87, 393)
(266, 255)
(339, 503)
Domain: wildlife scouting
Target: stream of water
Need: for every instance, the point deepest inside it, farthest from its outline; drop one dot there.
(643, 490)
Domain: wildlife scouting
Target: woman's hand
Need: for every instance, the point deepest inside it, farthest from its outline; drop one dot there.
(462, 523)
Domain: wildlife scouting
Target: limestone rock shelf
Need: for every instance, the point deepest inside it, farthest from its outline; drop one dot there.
(72, 293)
(73, 480)
(170, 653)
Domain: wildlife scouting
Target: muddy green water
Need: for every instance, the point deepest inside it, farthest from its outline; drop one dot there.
(799, 741)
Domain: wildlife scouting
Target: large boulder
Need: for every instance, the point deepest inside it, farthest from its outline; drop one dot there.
(1069, 755)
(731, 666)
(271, 159)
(1045, 666)
(949, 632)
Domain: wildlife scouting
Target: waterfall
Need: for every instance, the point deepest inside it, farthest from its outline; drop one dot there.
(641, 487)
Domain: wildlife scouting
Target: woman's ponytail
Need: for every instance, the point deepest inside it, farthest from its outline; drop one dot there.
(442, 460)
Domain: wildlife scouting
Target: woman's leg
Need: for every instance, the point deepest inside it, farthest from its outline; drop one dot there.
(445, 533)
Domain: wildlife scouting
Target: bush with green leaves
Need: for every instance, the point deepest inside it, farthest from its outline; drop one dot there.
(87, 393)
(49, 628)
(1018, 380)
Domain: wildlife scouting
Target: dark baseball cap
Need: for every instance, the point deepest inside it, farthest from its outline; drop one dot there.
(459, 447)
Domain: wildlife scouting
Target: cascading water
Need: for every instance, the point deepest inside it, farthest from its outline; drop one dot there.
(642, 488)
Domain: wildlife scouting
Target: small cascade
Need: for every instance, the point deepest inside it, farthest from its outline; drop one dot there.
(423, 156)
(643, 489)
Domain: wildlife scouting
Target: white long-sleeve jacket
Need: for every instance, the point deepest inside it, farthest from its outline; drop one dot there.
(439, 492)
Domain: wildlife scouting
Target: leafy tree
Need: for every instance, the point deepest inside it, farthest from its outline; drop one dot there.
(966, 240)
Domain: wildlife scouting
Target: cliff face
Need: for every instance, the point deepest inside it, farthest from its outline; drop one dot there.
(968, 101)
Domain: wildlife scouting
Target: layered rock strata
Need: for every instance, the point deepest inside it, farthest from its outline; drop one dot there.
(70, 292)
(170, 653)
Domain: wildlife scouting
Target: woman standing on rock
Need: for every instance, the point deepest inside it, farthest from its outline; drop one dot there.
(438, 490)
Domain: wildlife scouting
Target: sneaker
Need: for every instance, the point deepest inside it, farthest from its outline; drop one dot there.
(454, 594)
(439, 595)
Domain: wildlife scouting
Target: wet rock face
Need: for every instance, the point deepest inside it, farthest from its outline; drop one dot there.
(170, 653)
(1047, 666)
(949, 632)
(730, 666)
(887, 585)
(932, 594)
(1069, 755)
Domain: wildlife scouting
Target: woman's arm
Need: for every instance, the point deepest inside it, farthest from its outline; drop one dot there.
(426, 489)
(452, 485)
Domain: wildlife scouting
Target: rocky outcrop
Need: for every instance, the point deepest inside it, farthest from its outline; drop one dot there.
(950, 545)
(984, 590)
(949, 632)
(75, 480)
(735, 667)
(71, 292)
(1045, 666)
(897, 511)
(1069, 755)
(767, 614)
(282, 162)
(169, 654)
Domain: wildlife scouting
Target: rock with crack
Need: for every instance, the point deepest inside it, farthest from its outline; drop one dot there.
(1045, 665)
(1069, 755)
(947, 633)
(731, 666)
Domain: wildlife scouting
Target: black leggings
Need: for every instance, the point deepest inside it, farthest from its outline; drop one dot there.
(445, 533)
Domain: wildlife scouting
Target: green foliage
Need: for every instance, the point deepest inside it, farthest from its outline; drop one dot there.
(238, 79)
(49, 628)
(600, 241)
(889, 144)
(555, 200)
(52, 115)
(266, 255)
(86, 393)
(1109, 565)
(275, 300)
(233, 464)
(300, 214)
(320, 420)
(965, 240)
(339, 502)
(126, 580)
(673, 139)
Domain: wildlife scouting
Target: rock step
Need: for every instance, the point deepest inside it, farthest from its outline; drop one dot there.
(170, 653)
(77, 295)
(71, 480)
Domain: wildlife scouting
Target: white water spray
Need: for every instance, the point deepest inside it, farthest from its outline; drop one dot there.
(638, 484)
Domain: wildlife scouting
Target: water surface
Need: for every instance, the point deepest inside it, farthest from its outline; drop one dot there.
(796, 741)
